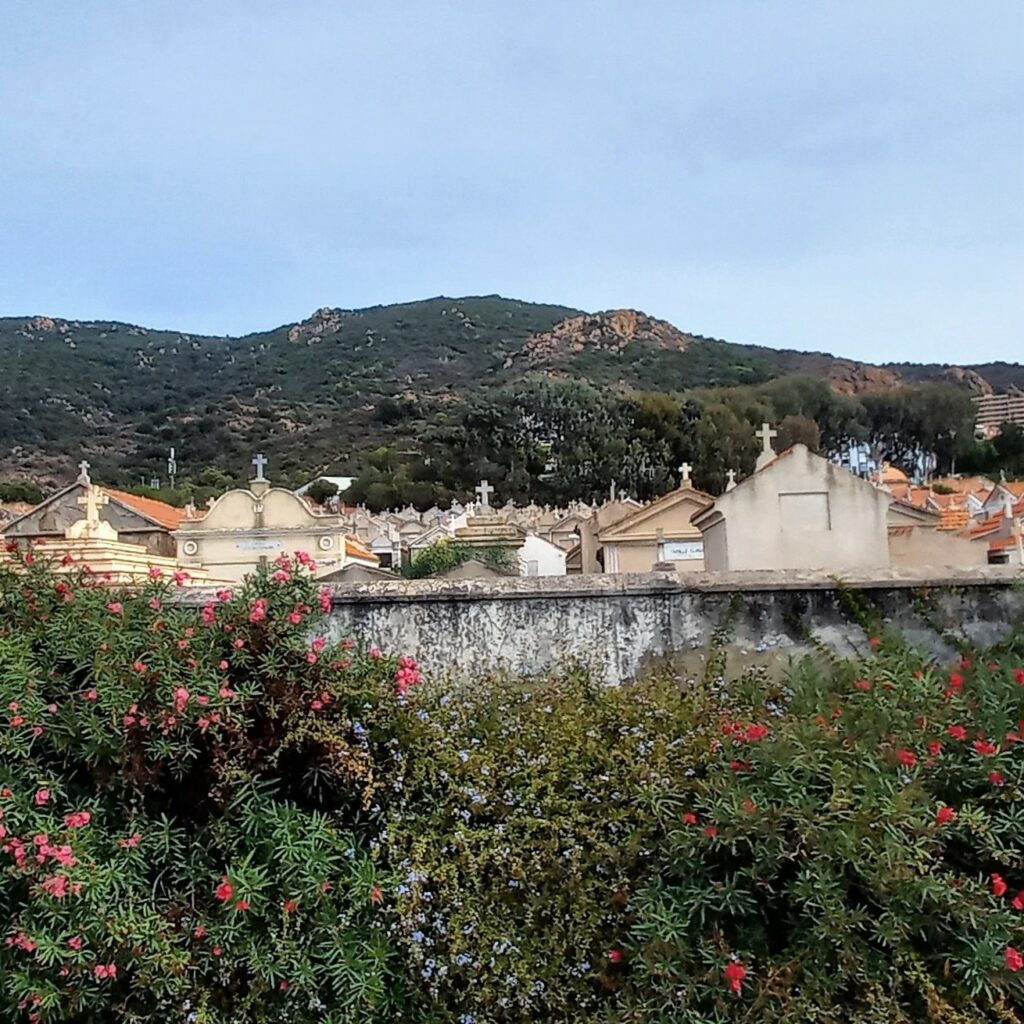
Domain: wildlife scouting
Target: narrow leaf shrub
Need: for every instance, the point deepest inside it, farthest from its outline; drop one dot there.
(219, 815)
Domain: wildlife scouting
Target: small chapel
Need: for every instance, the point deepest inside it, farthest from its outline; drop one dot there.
(253, 525)
(659, 534)
(797, 510)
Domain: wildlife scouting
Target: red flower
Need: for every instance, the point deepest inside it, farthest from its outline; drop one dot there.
(956, 682)
(996, 778)
(216, 951)
(862, 684)
(935, 748)
(689, 818)
(290, 906)
(615, 956)
(944, 815)
(998, 885)
(711, 831)
(115, 607)
(78, 819)
(907, 758)
(1018, 901)
(199, 932)
(75, 943)
(224, 891)
(756, 732)
(42, 797)
(984, 747)
(376, 895)
(242, 905)
(1014, 961)
(874, 641)
(734, 973)
(958, 732)
(1018, 675)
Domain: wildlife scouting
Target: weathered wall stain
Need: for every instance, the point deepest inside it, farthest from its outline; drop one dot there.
(615, 624)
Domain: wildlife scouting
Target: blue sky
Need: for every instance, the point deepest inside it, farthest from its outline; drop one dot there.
(822, 175)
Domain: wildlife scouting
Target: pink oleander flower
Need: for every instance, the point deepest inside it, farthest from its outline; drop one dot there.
(944, 815)
(295, 618)
(208, 614)
(258, 611)
(180, 577)
(181, 698)
(155, 572)
(78, 819)
(105, 971)
(224, 596)
(42, 797)
(115, 608)
(154, 603)
(375, 652)
(56, 886)
(325, 600)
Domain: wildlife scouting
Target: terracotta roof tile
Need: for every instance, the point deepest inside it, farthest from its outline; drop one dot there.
(160, 512)
(953, 519)
(355, 548)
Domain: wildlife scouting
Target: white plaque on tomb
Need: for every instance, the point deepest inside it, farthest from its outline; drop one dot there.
(258, 545)
(682, 550)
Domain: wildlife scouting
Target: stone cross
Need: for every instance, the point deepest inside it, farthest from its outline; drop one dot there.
(92, 501)
(259, 461)
(83, 470)
(485, 490)
(731, 478)
(766, 434)
(684, 472)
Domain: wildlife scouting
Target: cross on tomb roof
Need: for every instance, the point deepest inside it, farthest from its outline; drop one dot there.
(259, 461)
(684, 472)
(92, 501)
(485, 490)
(83, 470)
(766, 434)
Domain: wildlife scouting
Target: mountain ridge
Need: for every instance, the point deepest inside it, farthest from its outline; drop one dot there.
(340, 381)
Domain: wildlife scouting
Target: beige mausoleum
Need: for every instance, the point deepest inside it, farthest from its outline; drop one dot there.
(247, 527)
(797, 511)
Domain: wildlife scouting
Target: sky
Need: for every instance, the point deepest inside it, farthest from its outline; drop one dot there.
(814, 174)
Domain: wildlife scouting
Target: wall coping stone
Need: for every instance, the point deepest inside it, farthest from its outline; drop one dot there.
(598, 585)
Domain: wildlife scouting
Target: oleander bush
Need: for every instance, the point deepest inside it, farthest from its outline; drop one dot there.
(217, 814)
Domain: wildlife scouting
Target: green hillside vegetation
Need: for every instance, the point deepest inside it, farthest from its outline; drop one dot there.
(421, 398)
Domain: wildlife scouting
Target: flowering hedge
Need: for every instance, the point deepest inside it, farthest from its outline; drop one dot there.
(217, 815)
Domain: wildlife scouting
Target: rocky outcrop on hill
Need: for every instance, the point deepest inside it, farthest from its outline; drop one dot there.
(852, 378)
(610, 331)
(968, 379)
(325, 320)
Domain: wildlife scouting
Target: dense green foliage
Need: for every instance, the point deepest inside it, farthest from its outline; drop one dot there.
(444, 555)
(214, 815)
(553, 441)
(29, 492)
(322, 395)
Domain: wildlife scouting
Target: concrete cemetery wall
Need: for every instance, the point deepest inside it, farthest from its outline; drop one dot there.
(616, 624)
